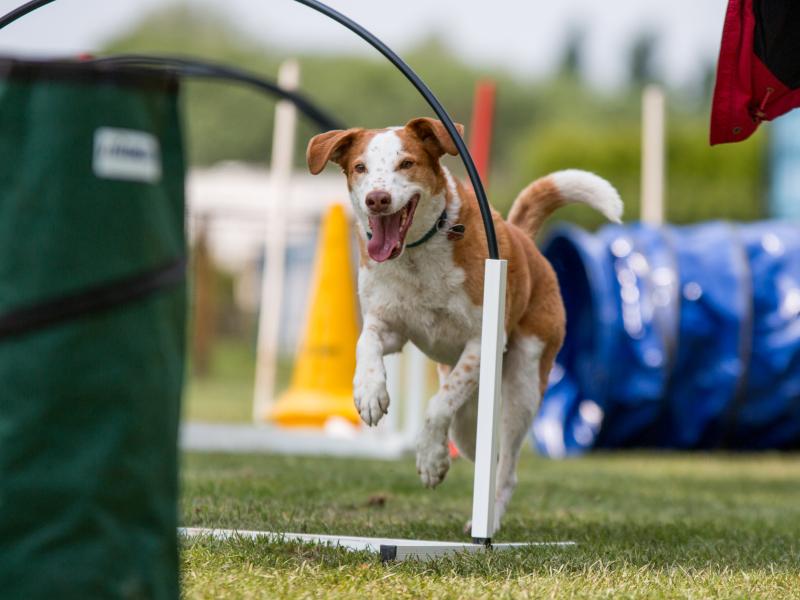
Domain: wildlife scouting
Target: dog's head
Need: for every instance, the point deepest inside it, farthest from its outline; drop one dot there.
(393, 176)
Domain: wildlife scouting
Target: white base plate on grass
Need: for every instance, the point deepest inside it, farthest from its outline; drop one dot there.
(388, 548)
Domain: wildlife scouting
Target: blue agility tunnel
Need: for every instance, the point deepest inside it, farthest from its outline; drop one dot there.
(677, 337)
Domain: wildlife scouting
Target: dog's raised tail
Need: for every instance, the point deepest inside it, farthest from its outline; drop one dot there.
(541, 198)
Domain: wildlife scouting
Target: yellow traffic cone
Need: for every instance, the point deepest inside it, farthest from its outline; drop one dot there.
(322, 381)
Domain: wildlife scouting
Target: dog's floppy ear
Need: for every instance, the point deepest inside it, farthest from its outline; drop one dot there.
(434, 136)
(331, 145)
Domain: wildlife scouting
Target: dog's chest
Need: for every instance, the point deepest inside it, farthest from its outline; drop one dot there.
(421, 296)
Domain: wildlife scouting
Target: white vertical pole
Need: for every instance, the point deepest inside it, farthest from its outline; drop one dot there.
(493, 342)
(275, 243)
(653, 155)
(416, 380)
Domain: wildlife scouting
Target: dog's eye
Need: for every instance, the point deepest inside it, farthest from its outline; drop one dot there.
(406, 164)
(360, 168)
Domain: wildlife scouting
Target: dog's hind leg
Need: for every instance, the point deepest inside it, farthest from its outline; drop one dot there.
(464, 427)
(465, 420)
(522, 389)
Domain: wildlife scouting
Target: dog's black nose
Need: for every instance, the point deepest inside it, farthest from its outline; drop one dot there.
(378, 201)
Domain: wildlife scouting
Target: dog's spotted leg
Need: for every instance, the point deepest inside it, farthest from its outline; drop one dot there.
(433, 457)
(369, 383)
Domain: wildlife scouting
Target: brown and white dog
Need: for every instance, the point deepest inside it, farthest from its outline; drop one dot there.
(421, 280)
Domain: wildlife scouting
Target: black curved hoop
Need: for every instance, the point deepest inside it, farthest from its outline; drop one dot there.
(466, 158)
(190, 67)
(21, 11)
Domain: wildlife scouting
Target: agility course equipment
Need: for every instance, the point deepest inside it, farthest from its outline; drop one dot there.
(272, 279)
(492, 339)
(653, 154)
(480, 137)
(677, 337)
(92, 310)
(322, 382)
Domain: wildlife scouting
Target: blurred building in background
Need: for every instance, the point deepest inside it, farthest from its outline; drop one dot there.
(229, 201)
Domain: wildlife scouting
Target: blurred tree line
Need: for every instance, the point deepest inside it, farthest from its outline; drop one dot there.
(540, 126)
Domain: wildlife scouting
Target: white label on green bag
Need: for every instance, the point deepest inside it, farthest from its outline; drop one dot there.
(126, 154)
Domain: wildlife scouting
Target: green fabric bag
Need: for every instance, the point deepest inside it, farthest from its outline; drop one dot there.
(92, 330)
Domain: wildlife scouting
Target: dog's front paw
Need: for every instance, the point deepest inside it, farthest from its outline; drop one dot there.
(371, 398)
(433, 461)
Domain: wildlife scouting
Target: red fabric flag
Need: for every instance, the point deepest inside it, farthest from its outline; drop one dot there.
(758, 74)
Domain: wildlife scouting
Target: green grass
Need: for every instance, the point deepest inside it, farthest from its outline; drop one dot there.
(647, 526)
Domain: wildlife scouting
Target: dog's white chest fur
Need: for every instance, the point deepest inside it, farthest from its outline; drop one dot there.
(421, 296)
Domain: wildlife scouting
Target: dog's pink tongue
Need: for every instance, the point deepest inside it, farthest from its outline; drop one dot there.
(385, 236)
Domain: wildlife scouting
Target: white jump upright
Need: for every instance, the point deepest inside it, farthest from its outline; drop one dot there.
(275, 243)
(493, 342)
(653, 155)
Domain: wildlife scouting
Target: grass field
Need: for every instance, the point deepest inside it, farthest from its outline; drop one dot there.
(647, 526)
